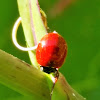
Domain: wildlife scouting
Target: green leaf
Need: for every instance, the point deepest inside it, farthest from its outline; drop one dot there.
(22, 77)
(32, 82)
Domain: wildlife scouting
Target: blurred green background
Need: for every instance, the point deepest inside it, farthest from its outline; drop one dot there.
(79, 24)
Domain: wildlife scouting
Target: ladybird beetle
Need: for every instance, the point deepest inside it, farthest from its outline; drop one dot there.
(51, 50)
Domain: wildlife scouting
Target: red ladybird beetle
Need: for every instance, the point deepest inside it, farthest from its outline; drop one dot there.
(51, 50)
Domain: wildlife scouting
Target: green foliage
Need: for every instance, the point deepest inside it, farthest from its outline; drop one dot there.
(80, 26)
(31, 82)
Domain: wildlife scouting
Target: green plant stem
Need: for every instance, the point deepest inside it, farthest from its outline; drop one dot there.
(22, 77)
(32, 82)
(32, 24)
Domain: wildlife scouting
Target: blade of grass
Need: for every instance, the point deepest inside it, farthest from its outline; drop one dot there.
(32, 24)
(22, 77)
(31, 82)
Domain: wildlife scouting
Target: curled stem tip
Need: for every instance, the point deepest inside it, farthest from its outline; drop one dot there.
(14, 37)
